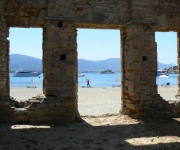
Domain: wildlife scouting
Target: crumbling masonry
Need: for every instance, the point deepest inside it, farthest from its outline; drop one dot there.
(138, 21)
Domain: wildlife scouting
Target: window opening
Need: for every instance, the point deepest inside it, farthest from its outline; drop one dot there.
(167, 73)
(99, 85)
(25, 63)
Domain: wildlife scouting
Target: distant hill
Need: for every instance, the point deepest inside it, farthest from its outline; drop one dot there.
(18, 61)
(88, 65)
(111, 63)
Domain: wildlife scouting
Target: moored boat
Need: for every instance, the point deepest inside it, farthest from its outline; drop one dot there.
(26, 73)
(162, 72)
(80, 75)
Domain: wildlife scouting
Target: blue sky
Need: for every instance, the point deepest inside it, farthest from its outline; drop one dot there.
(93, 44)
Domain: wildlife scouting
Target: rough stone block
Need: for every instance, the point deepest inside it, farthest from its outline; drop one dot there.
(69, 30)
(139, 42)
(177, 23)
(4, 103)
(137, 65)
(3, 92)
(33, 21)
(171, 22)
(71, 111)
(65, 36)
(131, 75)
(162, 21)
(69, 104)
(41, 17)
(61, 111)
(64, 44)
(136, 107)
(136, 42)
(58, 104)
(51, 93)
(130, 87)
(146, 92)
(51, 45)
(49, 34)
(129, 66)
(26, 21)
(54, 29)
(18, 118)
(153, 65)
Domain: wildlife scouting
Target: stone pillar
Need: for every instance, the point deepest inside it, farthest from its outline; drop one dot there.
(123, 37)
(178, 58)
(60, 63)
(4, 53)
(139, 69)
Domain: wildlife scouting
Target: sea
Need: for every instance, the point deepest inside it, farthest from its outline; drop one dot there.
(95, 79)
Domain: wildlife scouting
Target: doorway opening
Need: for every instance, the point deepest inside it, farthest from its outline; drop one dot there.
(167, 73)
(26, 61)
(98, 62)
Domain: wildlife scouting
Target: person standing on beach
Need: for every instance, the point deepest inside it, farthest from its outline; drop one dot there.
(88, 83)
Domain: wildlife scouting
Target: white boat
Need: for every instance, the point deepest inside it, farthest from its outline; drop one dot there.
(162, 72)
(26, 73)
(80, 75)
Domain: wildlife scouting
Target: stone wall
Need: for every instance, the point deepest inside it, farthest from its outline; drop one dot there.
(60, 8)
(141, 11)
(25, 13)
(4, 54)
(138, 21)
(96, 14)
(105, 12)
(167, 15)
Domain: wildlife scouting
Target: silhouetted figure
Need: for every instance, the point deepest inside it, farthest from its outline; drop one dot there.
(88, 82)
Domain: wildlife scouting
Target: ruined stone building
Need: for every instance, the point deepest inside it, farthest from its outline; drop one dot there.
(138, 20)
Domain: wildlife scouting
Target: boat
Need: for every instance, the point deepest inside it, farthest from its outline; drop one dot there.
(80, 75)
(162, 72)
(26, 73)
(107, 72)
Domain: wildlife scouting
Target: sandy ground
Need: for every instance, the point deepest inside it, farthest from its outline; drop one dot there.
(94, 133)
(107, 132)
(94, 101)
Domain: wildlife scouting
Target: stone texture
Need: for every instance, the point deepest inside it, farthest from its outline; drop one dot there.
(4, 52)
(139, 79)
(138, 21)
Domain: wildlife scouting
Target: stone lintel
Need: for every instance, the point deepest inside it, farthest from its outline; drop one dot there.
(140, 22)
(100, 26)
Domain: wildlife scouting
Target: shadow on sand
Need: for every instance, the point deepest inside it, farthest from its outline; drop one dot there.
(95, 133)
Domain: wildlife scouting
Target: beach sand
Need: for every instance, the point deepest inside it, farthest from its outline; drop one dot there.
(94, 101)
(107, 132)
(91, 101)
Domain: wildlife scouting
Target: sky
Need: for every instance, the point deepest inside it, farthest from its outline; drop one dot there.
(93, 44)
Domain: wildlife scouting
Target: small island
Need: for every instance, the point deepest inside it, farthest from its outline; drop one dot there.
(107, 72)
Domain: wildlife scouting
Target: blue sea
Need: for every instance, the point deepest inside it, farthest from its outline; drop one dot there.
(96, 80)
